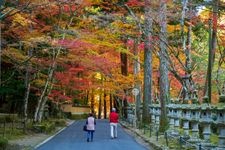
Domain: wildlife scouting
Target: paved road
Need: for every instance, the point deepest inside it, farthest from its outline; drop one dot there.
(73, 138)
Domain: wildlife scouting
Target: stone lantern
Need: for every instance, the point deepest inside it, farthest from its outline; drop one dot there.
(152, 112)
(206, 120)
(171, 117)
(220, 121)
(186, 117)
(177, 113)
(195, 115)
(129, 114)
(157, 115)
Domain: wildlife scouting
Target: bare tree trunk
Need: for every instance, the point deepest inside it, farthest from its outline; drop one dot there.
(105, 106)
(39, 102)
(42, 107)
(124, 71)
(87, 97)
(27, 87)
(136, 79)
(92, 101)
(212, 49)
(0, 55)
(164, 82)
(183, 37)
(124, 64)
(147, 97)
(208, 87)
(100, 106)
(27, 81)
(110, 102)
(188, 65)
(118, 104)
(187, 82)
(27, 93)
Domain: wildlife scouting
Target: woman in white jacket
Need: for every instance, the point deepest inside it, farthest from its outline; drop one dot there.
(90, 127)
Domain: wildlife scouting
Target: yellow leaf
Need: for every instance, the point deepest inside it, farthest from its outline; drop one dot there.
(19, 19)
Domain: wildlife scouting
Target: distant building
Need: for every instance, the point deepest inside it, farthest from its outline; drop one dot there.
(79, 109)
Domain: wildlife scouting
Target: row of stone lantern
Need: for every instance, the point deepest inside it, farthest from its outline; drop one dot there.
(194, 115)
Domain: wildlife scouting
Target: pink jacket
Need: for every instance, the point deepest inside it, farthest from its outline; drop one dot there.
(91, 123)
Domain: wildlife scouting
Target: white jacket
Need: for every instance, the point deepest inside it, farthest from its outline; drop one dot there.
(90, 123)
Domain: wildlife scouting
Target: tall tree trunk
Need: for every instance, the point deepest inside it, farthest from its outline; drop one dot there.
(190, 86)
(187, 82)
(105, 106)
(187, 49)
(0, 54)
(1, 96)
(115, 102)
(212, 49)
(42, 108)
(45, 99)
(208, 87)
(164, 82)
(118, 104)
(27, 88)
(27, 80)
(183, 14)
(136, 80)
(124, 71)
(147, 97)
(111, 102)
(100, 106)
(27, 93)
(124, 64)
(92, 102)
(87, 97)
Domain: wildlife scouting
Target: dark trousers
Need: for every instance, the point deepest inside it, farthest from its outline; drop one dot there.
(90, 134)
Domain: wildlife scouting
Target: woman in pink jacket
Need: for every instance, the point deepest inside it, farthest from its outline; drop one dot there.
(90, 127)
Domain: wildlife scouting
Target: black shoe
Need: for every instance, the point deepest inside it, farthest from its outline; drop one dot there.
(87, 140)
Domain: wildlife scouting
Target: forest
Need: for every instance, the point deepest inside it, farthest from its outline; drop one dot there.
(95, 52)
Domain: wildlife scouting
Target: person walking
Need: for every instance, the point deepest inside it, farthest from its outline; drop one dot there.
(113, 119)
(90, 127)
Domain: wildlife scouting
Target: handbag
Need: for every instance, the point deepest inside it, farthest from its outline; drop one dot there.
(85, 128)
